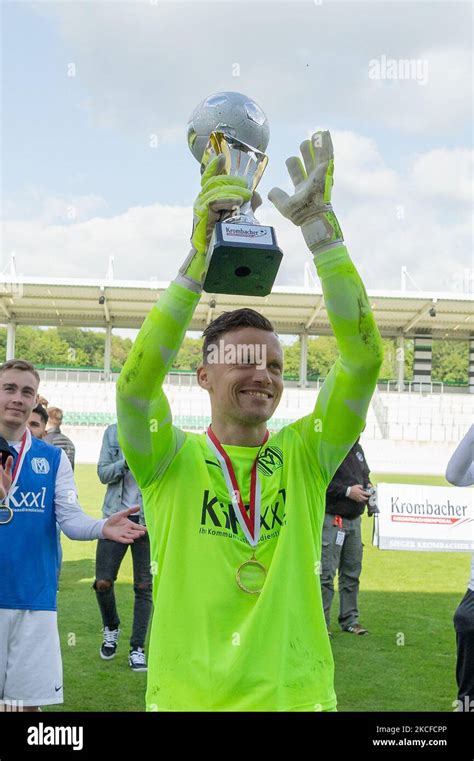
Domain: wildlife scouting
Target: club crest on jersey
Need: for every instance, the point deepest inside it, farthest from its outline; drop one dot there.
(269, 460)
(40, 465)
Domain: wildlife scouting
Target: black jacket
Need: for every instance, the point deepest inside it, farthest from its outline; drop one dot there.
(352, 470)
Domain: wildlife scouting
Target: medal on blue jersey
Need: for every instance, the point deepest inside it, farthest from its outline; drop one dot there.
(251, 574)
(16, 472)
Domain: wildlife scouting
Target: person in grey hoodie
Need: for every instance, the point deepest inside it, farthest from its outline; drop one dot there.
(122, 490)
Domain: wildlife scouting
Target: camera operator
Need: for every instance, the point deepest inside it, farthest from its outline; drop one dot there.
(347, 495)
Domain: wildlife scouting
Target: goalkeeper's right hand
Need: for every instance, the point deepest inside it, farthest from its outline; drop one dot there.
(219, 193)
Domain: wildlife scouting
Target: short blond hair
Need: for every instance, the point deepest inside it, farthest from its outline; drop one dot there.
(20, 364)
(55, 413)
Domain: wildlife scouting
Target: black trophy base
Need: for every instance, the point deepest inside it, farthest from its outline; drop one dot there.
(245, 260)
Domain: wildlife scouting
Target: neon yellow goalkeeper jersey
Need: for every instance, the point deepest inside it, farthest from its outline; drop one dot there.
(214, 647)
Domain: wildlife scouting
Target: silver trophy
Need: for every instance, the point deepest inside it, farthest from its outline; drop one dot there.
(243, 256)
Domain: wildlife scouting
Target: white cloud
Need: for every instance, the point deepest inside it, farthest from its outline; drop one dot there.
(146, 65)
(146, 241)
(389, 219)
(36, 203)
(440, 105)
(445, 175)
(142, 67)
(360, 169)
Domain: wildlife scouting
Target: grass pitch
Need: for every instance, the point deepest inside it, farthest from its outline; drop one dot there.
(407, 601)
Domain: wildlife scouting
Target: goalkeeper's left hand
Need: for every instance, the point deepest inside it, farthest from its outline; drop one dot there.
(310, 206)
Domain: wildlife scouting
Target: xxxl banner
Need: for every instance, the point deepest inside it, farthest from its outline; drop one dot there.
(424, 518)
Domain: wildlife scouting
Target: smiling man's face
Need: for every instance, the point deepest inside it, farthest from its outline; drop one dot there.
(246, 383)
(18, 394)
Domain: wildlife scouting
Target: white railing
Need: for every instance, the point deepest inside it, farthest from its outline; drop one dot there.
(188, 380)
(427, 432)
(74, 375)
(181, 379)
(420, 387)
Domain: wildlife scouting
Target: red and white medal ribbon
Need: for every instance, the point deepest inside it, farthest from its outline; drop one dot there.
(19, 464)
(249, 522)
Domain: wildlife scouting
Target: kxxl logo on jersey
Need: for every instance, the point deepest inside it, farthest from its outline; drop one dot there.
(27, 499)
(222, 516)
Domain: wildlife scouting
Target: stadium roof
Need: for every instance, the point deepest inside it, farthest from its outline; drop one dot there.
(124, 304)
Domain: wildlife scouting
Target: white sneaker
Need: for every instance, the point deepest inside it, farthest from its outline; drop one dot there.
(108, 647)
(137, 660)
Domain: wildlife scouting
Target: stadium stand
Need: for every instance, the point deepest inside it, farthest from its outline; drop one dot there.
(414, 431)
(428, 424)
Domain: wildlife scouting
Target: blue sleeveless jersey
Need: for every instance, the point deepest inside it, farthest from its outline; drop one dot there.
(28, 544)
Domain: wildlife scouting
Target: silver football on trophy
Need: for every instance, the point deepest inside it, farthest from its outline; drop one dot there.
(229, 112)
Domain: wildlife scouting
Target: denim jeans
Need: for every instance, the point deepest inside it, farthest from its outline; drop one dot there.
(109, 557)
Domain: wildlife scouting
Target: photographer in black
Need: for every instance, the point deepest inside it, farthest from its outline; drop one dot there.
(347, 495)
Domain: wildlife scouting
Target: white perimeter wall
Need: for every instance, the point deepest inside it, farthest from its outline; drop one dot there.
(382, 455)
(423, 429)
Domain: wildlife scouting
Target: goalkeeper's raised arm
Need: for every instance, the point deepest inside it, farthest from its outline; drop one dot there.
(146, 434)
(341, 407)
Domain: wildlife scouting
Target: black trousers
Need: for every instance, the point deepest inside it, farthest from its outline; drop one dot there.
(464, 626)
(109, 557)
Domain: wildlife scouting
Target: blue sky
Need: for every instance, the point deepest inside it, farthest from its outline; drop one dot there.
(82, 142)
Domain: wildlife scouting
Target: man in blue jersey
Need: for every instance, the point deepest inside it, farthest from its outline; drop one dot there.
(36, 489)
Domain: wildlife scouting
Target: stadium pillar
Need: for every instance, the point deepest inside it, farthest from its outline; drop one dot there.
(471, 364)
(107, 351)
(11, 336)
(400, 359)
(303, 359)
(422, 358)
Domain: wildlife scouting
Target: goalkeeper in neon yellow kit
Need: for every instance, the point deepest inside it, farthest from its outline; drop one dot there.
(234, 516)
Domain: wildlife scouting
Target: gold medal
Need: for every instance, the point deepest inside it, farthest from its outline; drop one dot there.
(250, 576)
(6, 514)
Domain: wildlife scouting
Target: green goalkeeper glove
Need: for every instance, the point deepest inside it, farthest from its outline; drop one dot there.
(219, 193)
(310, 206)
